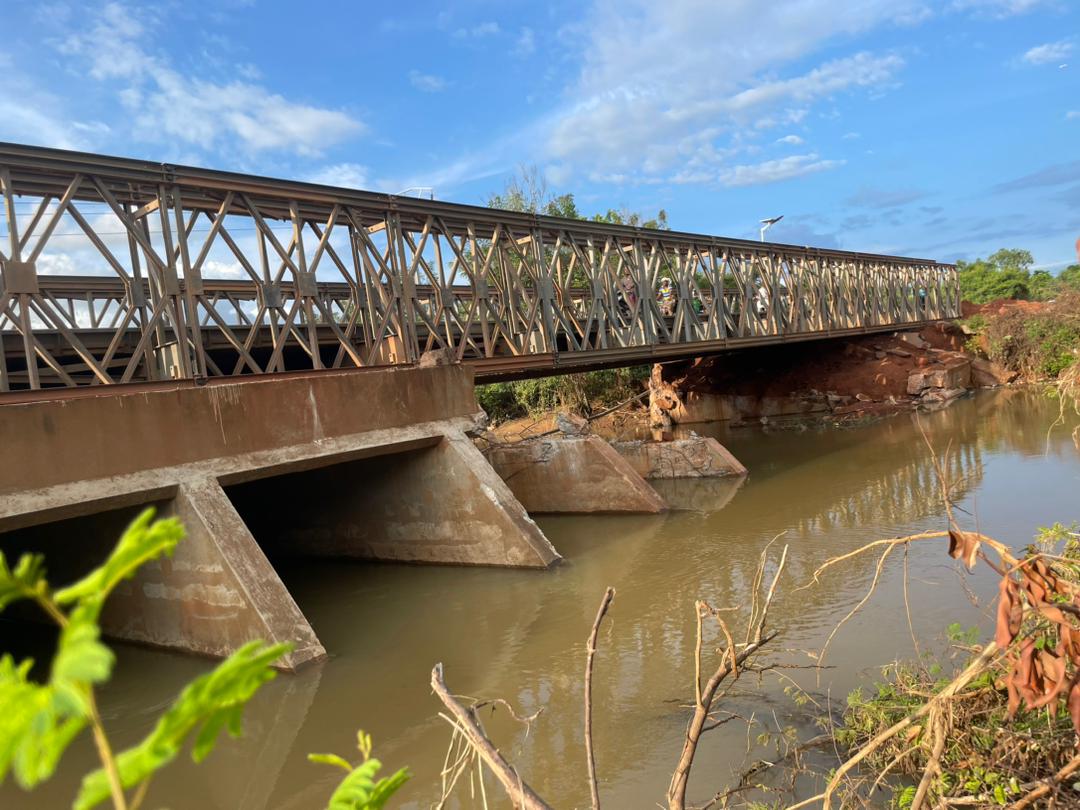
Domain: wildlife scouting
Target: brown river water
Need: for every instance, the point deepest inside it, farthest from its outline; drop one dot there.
(519, 635)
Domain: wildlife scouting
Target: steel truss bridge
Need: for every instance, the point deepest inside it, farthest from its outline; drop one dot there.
(117, 271)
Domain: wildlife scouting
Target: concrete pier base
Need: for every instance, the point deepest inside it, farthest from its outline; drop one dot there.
(215, 594)
(572, 474)
(440, 503)
(696, 457)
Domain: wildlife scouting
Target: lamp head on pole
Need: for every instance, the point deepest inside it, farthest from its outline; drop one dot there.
(768, 223)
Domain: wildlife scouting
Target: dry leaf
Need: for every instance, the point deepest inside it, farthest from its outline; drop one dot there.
(964, 546)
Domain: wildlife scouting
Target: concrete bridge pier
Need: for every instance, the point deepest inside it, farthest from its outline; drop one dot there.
(217, 592)
(368, 464)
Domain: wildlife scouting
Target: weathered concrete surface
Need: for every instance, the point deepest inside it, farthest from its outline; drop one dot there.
(695, 457)
(216, 593)
(442, 503)
(573, 474)
(177, 445)
(99, 432)
(704, 406)
(956, 373)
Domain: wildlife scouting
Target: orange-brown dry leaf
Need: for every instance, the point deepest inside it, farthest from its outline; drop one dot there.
(1074, 704)
(1025, 675)
(1014, 693)
(964, 546)
(1052, 681)
(1009, 614)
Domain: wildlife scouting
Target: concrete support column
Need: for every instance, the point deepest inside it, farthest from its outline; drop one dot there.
(572, 474)
(216, 593)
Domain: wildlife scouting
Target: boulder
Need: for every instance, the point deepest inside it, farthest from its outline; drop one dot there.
(955, 375)
(917, 382)
(571, 425)
(912, 339)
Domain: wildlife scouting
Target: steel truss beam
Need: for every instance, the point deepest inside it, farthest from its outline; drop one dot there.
(333, 277)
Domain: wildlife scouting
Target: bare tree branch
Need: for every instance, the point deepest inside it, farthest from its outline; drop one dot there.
(522, 796)
(590, 651)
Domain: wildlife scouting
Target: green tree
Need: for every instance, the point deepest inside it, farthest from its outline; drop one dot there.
(1044, 285)
(527, 191)
(1069, 278)
(1006, 274)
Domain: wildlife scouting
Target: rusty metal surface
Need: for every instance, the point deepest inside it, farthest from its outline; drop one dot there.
(339, 278)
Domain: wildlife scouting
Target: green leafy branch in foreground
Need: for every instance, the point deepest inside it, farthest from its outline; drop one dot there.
(38, 721)
(359, 790)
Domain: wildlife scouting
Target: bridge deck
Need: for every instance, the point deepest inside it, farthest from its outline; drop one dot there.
(323, 277)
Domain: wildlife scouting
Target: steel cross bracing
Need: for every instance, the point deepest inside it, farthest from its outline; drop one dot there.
(115, 270)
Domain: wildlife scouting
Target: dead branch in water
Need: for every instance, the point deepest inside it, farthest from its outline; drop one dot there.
(705, 696)
(590, 651)
(471, 742)
(467, 723)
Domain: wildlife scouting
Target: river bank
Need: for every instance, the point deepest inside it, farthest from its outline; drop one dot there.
(799, 385)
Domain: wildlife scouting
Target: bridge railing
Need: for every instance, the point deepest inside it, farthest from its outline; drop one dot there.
(116, 270)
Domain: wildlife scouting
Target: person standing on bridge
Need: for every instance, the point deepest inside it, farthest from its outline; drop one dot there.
(628, 289)
(666, 298)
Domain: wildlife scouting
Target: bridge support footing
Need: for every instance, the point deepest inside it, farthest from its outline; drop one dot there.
(437, 504)
(572, 475)
(695, 474)
(216, 593)
(695, 457)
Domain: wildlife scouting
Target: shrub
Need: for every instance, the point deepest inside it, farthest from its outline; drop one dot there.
(1037, 344)
(583, 394)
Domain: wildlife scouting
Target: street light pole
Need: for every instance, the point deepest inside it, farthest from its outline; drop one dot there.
(768, 223)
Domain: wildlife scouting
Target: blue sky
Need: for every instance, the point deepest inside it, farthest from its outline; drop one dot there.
(944, 130)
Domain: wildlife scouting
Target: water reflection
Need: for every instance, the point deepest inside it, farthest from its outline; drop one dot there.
(520, 634)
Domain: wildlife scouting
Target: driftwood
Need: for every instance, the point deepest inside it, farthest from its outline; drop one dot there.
(732, 659)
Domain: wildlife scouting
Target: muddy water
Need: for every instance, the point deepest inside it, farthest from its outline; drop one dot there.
(519, 635)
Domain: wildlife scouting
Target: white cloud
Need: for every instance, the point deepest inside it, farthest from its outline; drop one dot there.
(526, 43)
(1072, 114)
(773, 171)
(484, 29)
(168, 105)
(1048, 53)
(794, 140)
(348, 175)
(998, 8)
(427, 82)
(651, 100)
(44, 121)
(851, 136)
